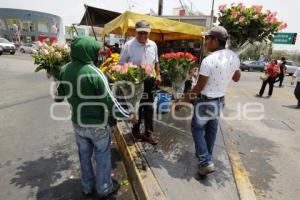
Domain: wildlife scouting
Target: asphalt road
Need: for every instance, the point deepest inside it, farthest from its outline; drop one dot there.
(38, 155)
(38, 158)
(269, 145)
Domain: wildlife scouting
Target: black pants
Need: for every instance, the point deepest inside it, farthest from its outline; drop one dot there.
(146, 108)
(280, 79)
(297, 93)
(269, 81)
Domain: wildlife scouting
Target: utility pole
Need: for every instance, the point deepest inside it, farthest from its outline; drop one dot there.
(160, 7)
(212, 14)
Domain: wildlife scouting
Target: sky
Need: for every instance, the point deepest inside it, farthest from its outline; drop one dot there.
(72, 11)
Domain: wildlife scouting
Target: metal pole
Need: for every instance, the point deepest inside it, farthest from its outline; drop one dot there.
(88, 15)
(212, 14)
(160, 7)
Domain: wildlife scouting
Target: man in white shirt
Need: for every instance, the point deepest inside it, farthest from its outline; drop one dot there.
(216, 71)
(297, 89)
(143, 51)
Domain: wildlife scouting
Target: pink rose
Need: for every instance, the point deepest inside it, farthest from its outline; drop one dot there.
(116, 68)
(234, 14)
(124, 69)
(257, 9)
(222, 8)
(282, 26)
(242, 19)
(242, 7)
(256, 16)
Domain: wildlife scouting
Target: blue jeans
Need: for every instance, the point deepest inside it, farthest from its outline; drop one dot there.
(96, 140)
(204, 128)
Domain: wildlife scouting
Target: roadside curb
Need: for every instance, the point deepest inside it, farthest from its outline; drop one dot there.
(144, 183)
(243, 184)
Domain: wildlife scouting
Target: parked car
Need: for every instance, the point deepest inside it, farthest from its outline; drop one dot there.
(1, 51)
(291, 67)
(27, 48)
(252, 65)
(7, 46)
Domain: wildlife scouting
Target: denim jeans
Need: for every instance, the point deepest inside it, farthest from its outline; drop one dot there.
(204, 128)
(90, 140)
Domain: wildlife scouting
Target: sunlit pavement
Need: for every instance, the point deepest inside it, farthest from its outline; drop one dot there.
(38, 156)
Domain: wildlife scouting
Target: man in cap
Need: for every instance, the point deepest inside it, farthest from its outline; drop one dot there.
(143, 51)
(215, 73)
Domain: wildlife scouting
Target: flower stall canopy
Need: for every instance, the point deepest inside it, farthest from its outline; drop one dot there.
(97, 16)
(161, 29)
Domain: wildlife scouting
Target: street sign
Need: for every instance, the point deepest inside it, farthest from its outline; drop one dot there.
(285, 38)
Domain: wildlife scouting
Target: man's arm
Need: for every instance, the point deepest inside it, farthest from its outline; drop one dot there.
(236, 76)
(201, 82)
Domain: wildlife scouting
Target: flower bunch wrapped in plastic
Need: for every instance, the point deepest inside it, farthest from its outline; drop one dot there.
(129, 79)
(51, 57)
(109, 62)
(248, 24)
(175, 66)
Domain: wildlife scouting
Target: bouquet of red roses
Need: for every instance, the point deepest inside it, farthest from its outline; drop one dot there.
(175, 66)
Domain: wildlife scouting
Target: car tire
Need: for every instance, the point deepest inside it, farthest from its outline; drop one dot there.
(12, 53)
(22, 50)
(291, 74)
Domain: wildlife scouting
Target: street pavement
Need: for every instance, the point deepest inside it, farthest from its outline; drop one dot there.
(266, 140)
(38, 155)
(269, 147)
(38, 158)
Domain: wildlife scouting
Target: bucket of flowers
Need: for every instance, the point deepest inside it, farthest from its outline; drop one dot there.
(51, 58)
(175, 66)
(129, 79)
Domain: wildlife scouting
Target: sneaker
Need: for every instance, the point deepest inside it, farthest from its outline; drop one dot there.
(258, 95)
(115, 189)
(210, 168)
(269, 96)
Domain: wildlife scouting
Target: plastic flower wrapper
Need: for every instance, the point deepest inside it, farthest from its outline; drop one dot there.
(50, 58)
(129, 81)
(175, 66)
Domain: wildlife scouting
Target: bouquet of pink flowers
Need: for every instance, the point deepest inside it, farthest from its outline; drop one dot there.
(248, 24)
(51, 57)
(130, 72)
(129, 78)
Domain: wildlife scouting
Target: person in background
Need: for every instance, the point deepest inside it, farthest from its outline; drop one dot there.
(91, 101)
(116, 48)
(143, 51)
(283, 68)
(272, 73)
(215, 74)
(297, 89)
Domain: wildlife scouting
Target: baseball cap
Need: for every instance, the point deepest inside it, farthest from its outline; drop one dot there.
(218, 32)
(142, 26)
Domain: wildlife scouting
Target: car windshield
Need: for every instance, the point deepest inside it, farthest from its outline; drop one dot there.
(3, 40)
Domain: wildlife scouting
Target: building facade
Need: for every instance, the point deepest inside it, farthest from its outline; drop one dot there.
(26, 26)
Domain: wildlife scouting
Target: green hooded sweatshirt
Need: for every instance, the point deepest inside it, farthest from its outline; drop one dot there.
(86, 87)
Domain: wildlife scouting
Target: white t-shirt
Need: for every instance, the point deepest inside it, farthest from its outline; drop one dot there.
(220, 67)
(297, 74)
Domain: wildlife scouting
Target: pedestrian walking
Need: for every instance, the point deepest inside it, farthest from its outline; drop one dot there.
(282, 66)
(143, 51)
(208, 95)
(269, 78)
(296, 78)
(91, 100)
